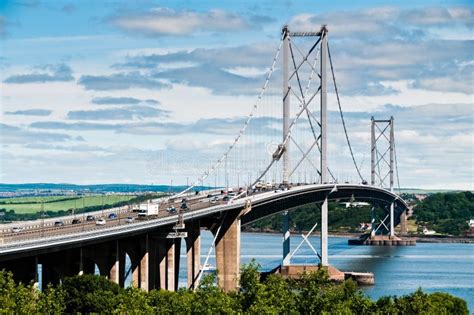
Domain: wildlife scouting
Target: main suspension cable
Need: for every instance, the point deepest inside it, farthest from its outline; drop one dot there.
(342, 115)
(242, 131)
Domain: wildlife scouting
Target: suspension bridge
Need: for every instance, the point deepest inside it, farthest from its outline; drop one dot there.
(278, 160)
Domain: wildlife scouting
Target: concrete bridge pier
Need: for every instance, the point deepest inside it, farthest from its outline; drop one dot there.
(108, 257)
(193, 252)
(144, 274)
(115, 260)
(168, 261)
(131, 247)
(228, 251)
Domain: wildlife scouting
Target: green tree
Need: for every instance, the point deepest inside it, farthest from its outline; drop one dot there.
(168, 302)
(134, 301)
(274, 296)
(210, 299)
(16, 298)
(437, 303)
(52, 301)
(90, 293)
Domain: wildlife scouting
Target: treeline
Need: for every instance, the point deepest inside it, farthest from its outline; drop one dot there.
(303, 218)
(11, 215)
(447, 213)
(311, 294)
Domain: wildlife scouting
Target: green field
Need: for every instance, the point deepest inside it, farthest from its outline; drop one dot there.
(35, 199)
(35, 205)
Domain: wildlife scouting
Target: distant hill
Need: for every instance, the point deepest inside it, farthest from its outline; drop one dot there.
(94, 188)
(425, 191)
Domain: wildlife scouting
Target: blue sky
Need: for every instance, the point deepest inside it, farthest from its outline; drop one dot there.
(146, 91)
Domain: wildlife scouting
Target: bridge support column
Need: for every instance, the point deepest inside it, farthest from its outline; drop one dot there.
(324, 233)
(228, 253)
(193, 252)
(146, 269)
(392, 221)
(122, 268)
(168, 257)
(286, 238)
(114, 273)
(131, 247)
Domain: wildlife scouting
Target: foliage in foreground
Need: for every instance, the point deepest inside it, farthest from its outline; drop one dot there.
(311, 294)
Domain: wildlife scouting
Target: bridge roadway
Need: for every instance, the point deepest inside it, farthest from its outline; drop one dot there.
(224, 217)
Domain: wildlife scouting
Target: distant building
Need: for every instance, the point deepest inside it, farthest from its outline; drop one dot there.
(428, 232)
(364, 226)
(420, 197)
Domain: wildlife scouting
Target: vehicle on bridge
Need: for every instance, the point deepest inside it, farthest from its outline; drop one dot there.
(17, 229)
(148, 209)
(101, 221)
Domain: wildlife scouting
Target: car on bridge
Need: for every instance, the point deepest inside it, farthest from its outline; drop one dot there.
(58, 223)
(171, 209)
(112, 216)
(76, 221)
(17, 229)
(130, 220)
(101, 221)
(90, 218)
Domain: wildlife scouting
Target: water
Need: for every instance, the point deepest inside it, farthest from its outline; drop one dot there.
(398, 270)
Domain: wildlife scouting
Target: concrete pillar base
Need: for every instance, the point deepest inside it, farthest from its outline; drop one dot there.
(228, 253)
(193, 253)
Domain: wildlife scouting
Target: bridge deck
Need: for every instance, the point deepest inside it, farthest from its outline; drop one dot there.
(263, 204)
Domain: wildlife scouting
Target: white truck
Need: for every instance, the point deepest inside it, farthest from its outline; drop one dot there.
(148, 209)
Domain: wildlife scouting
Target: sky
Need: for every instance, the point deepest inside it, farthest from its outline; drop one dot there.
(153, 91)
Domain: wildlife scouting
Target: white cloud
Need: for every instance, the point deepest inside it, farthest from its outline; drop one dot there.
(165, 21)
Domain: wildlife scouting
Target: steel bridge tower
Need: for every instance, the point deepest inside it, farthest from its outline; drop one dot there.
(322, 41)
(381, 167)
